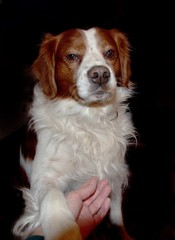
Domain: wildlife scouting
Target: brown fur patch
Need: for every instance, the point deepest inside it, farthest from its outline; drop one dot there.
(28, 147)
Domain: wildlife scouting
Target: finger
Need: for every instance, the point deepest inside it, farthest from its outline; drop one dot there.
(99, 200)
(87, 222)
(100, 187)
(102, 211)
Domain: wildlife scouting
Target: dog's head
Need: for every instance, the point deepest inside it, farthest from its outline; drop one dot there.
(86, 65)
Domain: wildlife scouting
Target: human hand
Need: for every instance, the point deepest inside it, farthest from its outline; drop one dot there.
(89, 204)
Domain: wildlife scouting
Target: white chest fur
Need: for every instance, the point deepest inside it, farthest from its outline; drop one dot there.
(75, 142)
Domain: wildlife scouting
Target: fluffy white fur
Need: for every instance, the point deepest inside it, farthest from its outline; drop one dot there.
(75, 142)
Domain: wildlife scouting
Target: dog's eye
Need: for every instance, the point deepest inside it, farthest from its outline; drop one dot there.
(72, 57)
(110, 54)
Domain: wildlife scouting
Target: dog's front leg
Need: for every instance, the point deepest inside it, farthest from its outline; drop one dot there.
(116, 215)
(56, 219)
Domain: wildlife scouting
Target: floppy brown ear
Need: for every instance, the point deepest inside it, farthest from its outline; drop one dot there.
(124, 56)
(43, 67)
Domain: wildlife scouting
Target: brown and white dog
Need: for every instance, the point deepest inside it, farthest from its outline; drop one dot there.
(80, 126)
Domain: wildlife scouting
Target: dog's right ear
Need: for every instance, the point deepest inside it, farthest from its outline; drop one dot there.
(124, 56)
(43, 67)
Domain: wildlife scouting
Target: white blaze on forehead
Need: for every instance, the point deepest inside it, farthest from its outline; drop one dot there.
(93, 55)
(91, 39)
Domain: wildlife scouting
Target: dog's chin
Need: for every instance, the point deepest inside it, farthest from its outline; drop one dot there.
(99, 97)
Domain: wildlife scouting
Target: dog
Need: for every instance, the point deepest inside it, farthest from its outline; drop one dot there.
(80, 126)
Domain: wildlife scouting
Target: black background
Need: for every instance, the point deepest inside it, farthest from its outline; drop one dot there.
(149, 25)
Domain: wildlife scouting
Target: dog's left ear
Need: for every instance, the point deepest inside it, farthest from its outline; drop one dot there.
(124, 56)
(43, 67)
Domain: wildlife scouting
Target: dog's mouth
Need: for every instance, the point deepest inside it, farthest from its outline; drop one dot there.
(99, 96)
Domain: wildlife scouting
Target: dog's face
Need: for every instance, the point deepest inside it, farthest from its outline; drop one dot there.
(85, 65)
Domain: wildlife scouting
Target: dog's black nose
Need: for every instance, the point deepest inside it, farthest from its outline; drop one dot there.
(99, 75)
